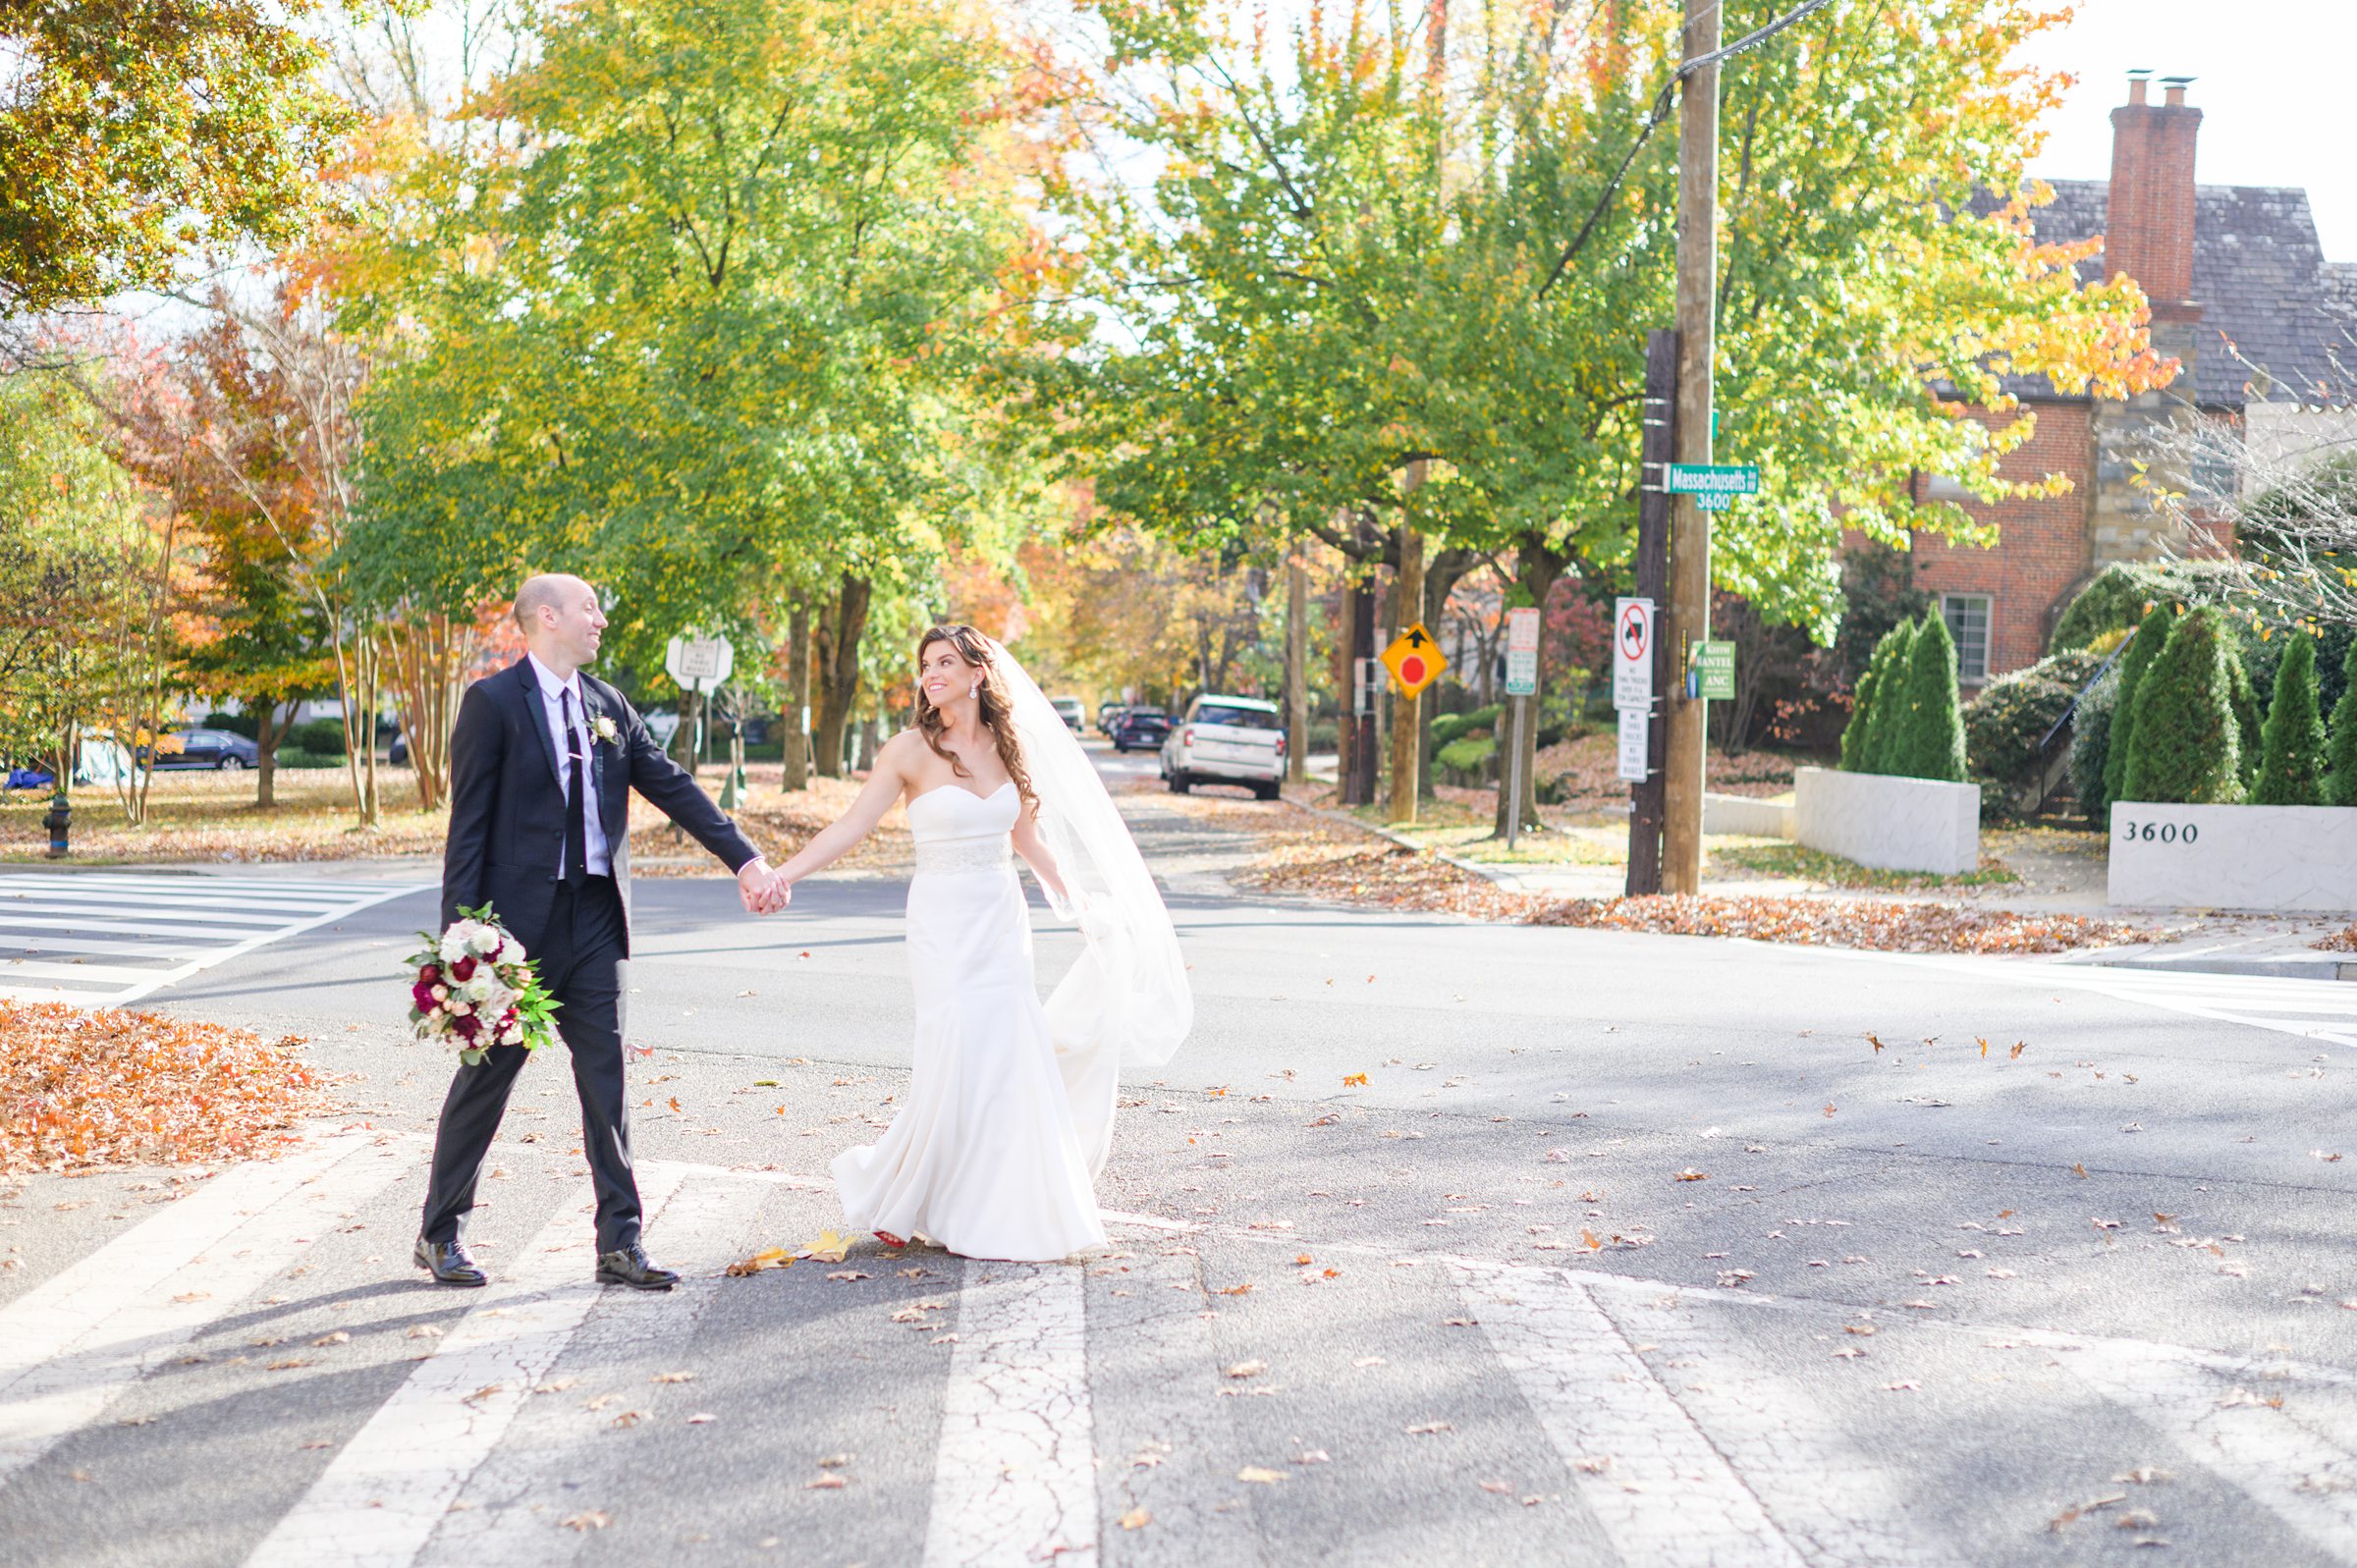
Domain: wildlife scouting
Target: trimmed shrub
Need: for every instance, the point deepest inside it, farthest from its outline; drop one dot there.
(1889, 670)
(1484, 717)
(2003, 724)
(2116, 597)
(2341, 750)
(2151, 634)
(321, 737)
(1861, 708)
(2292, 762)
(2243, 697)
(1447, 727)
(1927, 734)
(297, 757)
(2091, 743)
(2186, 747)
(236, 724)
(1470, 754)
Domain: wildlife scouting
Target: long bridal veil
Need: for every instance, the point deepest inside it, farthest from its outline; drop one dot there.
(1127, 997)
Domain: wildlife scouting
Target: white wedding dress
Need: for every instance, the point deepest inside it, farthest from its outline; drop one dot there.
(995, 1150)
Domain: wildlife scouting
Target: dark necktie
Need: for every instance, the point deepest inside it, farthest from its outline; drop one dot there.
(576, 825)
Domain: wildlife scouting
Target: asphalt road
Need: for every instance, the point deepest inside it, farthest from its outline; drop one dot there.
(1628, 1249)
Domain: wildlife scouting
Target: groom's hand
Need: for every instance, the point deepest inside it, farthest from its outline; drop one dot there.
(762, 890)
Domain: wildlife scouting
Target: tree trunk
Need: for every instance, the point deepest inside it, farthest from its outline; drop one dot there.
(798, 698)
(835, 650)
(1407, 725)
(1536, 568)
(269, 734)
(1442, 575)
(1297, 669)
(683, 740)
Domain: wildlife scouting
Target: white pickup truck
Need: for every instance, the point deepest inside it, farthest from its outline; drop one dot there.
(1238, 740)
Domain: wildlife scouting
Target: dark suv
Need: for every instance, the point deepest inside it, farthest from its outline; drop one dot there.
(1141, 730)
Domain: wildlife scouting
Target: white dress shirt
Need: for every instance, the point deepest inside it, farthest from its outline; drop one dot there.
(552, 692)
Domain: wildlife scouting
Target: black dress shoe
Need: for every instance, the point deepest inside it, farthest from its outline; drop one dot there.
(448, 1264)
(630, 1267)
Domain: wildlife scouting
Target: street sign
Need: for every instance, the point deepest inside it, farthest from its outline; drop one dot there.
(1414, 660)
(699, 662)
(1636, 724)
(1714, 673)
(1521, 653)
(1713, 479)
(1632, 654)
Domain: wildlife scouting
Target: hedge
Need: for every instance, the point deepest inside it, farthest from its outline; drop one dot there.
(2341, 750)
(2119, 595)
(2185, 746)
(2003, 724)
(1928, 733)
(2141, 651)
(2291, 762)
(324, 737)
(2091, 744)
(1470, 754)
(1888, 668)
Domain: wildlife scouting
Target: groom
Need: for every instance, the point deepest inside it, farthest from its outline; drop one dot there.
(542, 760)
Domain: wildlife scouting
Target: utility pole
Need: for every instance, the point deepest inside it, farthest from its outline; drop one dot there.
(1297, 667)
(1408, 598)
(1690, 619)
(1653, 582)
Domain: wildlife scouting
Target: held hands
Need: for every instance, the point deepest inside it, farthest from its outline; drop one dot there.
(764, 890)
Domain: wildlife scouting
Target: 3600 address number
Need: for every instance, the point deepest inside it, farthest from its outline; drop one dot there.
(2157, 833)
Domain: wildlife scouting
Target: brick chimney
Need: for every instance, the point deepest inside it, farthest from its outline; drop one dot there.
(2149, 233)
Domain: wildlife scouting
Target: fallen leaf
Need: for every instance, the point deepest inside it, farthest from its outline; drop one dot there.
(826, 1482)
(594, 1520)
(830, 1247)
(1136, 1519)
(1426, 1428)
(1355, 1080)
(1691, 1175)
(1260, 1475)
(1247, 1369)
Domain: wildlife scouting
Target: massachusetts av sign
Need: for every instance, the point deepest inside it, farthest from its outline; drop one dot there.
(1714, 485)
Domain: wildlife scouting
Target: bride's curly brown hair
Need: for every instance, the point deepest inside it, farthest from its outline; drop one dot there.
(997, 713)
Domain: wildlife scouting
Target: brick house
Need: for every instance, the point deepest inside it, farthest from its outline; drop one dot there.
(2236, 278)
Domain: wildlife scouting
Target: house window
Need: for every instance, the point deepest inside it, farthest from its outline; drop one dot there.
(2216, 477)
(1967, 618)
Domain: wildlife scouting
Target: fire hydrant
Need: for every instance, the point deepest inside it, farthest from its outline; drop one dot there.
(59, 823)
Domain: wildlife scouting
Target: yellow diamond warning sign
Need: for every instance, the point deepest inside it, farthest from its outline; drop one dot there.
(1414, 660)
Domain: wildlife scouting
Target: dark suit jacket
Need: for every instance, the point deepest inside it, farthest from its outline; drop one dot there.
(507, 805)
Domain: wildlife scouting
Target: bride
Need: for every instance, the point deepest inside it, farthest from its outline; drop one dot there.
(1010, 1110)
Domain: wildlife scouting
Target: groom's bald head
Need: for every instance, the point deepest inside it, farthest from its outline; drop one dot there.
(559, 619)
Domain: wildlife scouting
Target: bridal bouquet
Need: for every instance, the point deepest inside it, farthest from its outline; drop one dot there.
(476, 989)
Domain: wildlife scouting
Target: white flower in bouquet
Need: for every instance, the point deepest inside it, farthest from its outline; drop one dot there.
(483, 938)
(452, 945)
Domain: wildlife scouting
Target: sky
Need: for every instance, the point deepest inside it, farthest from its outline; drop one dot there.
(2272, 78)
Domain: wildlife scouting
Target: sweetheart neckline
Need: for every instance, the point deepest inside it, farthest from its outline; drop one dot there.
(963, 790)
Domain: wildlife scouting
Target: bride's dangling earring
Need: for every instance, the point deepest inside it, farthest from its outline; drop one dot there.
(973, 691)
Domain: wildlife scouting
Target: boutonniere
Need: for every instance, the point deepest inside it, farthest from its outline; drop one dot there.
(603, 727)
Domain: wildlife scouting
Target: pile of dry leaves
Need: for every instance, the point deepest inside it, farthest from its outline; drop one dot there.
(1888, 925)
(80, 1088)
(1321, 858)
(2341, 940)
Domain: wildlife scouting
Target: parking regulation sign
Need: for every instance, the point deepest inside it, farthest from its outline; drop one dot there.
(1632, 654)
(1521, 651)
(1636, 726)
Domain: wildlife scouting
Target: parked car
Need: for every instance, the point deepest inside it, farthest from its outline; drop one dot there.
(1140, 728)
(1107, 713)
(209, 748)
(1238, 740)
(1069, 710)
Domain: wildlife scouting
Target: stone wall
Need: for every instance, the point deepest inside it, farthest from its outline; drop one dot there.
(1891, 824)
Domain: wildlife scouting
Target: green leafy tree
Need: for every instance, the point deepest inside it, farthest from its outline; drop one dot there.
(2185, 747)
(135, 133)
(2151, 634)
(1928, 731)
(2341, 750)
(710, 341)
(2291, 765)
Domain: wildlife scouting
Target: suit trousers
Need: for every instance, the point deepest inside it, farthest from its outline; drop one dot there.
(580, 966)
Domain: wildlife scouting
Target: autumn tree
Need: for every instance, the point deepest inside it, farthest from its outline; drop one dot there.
(138, 133)
(702, 331)
(1376, 250)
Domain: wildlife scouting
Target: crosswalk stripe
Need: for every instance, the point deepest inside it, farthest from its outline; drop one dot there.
(196, 923)
(379, 1499)
(78, 1342)
(195, 881)
(1016, 1479)
(507, 1524)
(2293, 1458)
(1833, 1500)
(1626, 1442)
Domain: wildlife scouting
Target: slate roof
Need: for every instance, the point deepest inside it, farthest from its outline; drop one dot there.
(2260, 277)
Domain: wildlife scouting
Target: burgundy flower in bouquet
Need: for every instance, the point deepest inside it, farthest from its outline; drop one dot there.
(476, 989)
